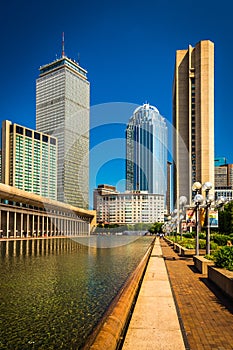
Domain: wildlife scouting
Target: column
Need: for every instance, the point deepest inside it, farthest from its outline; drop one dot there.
(38, 225)
(51, 226)
(33, 224)
(1, 231)
(42, 230)
(15, 223)
(7, 224)
(21, 225)
(28, 231)
(47, 225)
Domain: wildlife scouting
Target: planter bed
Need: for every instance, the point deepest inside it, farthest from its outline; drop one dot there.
(168, 241)
(201, 264)
(222, 278)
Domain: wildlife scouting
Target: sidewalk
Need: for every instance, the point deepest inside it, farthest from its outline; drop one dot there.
(206, 313)
(154, 323)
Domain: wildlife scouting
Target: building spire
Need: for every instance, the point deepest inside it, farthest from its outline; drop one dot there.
(63, 45)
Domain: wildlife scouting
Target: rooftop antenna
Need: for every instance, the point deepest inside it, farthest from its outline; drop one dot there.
(78, 58)
(63, 45)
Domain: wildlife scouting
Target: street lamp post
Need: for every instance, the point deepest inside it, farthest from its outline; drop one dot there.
(182, 203)
(198, 200)
(207, 186)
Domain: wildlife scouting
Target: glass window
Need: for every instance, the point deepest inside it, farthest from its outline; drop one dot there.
(45, 138)
(36, 135)
(19, 130)
(28, 133)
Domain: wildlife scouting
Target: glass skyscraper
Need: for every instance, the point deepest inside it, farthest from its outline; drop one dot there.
(62, 110)
(146, 151)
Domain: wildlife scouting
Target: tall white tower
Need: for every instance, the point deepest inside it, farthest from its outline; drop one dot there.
(63, 110)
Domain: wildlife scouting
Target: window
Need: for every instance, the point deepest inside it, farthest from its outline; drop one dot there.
(36, 135)
(45, 138)
(28, 133)
(53, 141)
(19, 130)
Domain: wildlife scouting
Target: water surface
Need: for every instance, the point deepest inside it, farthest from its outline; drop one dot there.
(53, 292)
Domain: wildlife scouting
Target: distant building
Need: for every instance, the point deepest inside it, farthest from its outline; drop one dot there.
(220, 161)
(29, 160)
(168, 194)
(193, 118)
(62, 110)
(101, 191)
(146, 151)
(224, 181)
(129, 207)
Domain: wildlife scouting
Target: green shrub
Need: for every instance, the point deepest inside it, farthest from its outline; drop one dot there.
(209, 257)
(202, 235)
(213, 245)
(223, 258)
(187, 235)
(202, 243)
(221, 240)
(190, 245)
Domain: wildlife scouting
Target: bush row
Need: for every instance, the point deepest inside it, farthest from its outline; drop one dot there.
(223, 258)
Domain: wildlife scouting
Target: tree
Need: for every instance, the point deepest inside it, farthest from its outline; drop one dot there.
(226, 219)
(156, 228)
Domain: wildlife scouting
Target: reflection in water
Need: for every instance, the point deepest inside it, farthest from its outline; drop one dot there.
(54, 291)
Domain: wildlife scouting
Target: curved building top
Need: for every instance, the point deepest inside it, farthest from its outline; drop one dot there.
(148, 113)
(147, 107)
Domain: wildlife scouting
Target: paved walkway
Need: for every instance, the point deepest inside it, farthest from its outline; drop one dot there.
(154, 324)
(206, 313)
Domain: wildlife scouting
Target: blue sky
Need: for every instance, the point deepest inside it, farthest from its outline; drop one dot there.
(128, 48)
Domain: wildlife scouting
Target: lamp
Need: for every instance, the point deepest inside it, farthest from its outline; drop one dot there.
(198, 200)
(196, 186)
(182, 202)
(207, 186)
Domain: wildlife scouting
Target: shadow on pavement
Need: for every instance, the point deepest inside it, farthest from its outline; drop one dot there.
(223, 299)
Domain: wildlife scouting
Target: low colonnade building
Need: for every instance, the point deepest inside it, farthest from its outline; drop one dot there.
(24, 214)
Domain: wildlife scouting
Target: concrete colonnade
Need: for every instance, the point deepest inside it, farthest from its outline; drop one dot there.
(23, 222)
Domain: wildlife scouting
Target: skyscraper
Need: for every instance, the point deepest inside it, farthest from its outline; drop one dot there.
(193, 117)
(29, 160)
(62, 110)
(146, 151)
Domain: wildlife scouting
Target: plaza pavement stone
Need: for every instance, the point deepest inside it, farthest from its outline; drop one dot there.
(206, 312)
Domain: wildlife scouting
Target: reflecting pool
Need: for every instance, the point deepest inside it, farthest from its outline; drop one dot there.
(53, 292)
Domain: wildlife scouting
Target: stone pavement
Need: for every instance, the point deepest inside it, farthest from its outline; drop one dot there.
(206, 313)
(154, 323)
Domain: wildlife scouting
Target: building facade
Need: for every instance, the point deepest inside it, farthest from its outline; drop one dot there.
(29, 160)
(168, 194)
(146, 151)
(193, 117)
(223, 180)
(62, 110)
(30, 215)
(128, 207)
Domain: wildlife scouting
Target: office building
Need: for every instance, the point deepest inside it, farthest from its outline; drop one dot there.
(102, 190)
(223, 180)
(130, 207)
(29, 160)
(193, 118)
(62, 110)
(220, 161)
(168, 194)
(146, 151)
